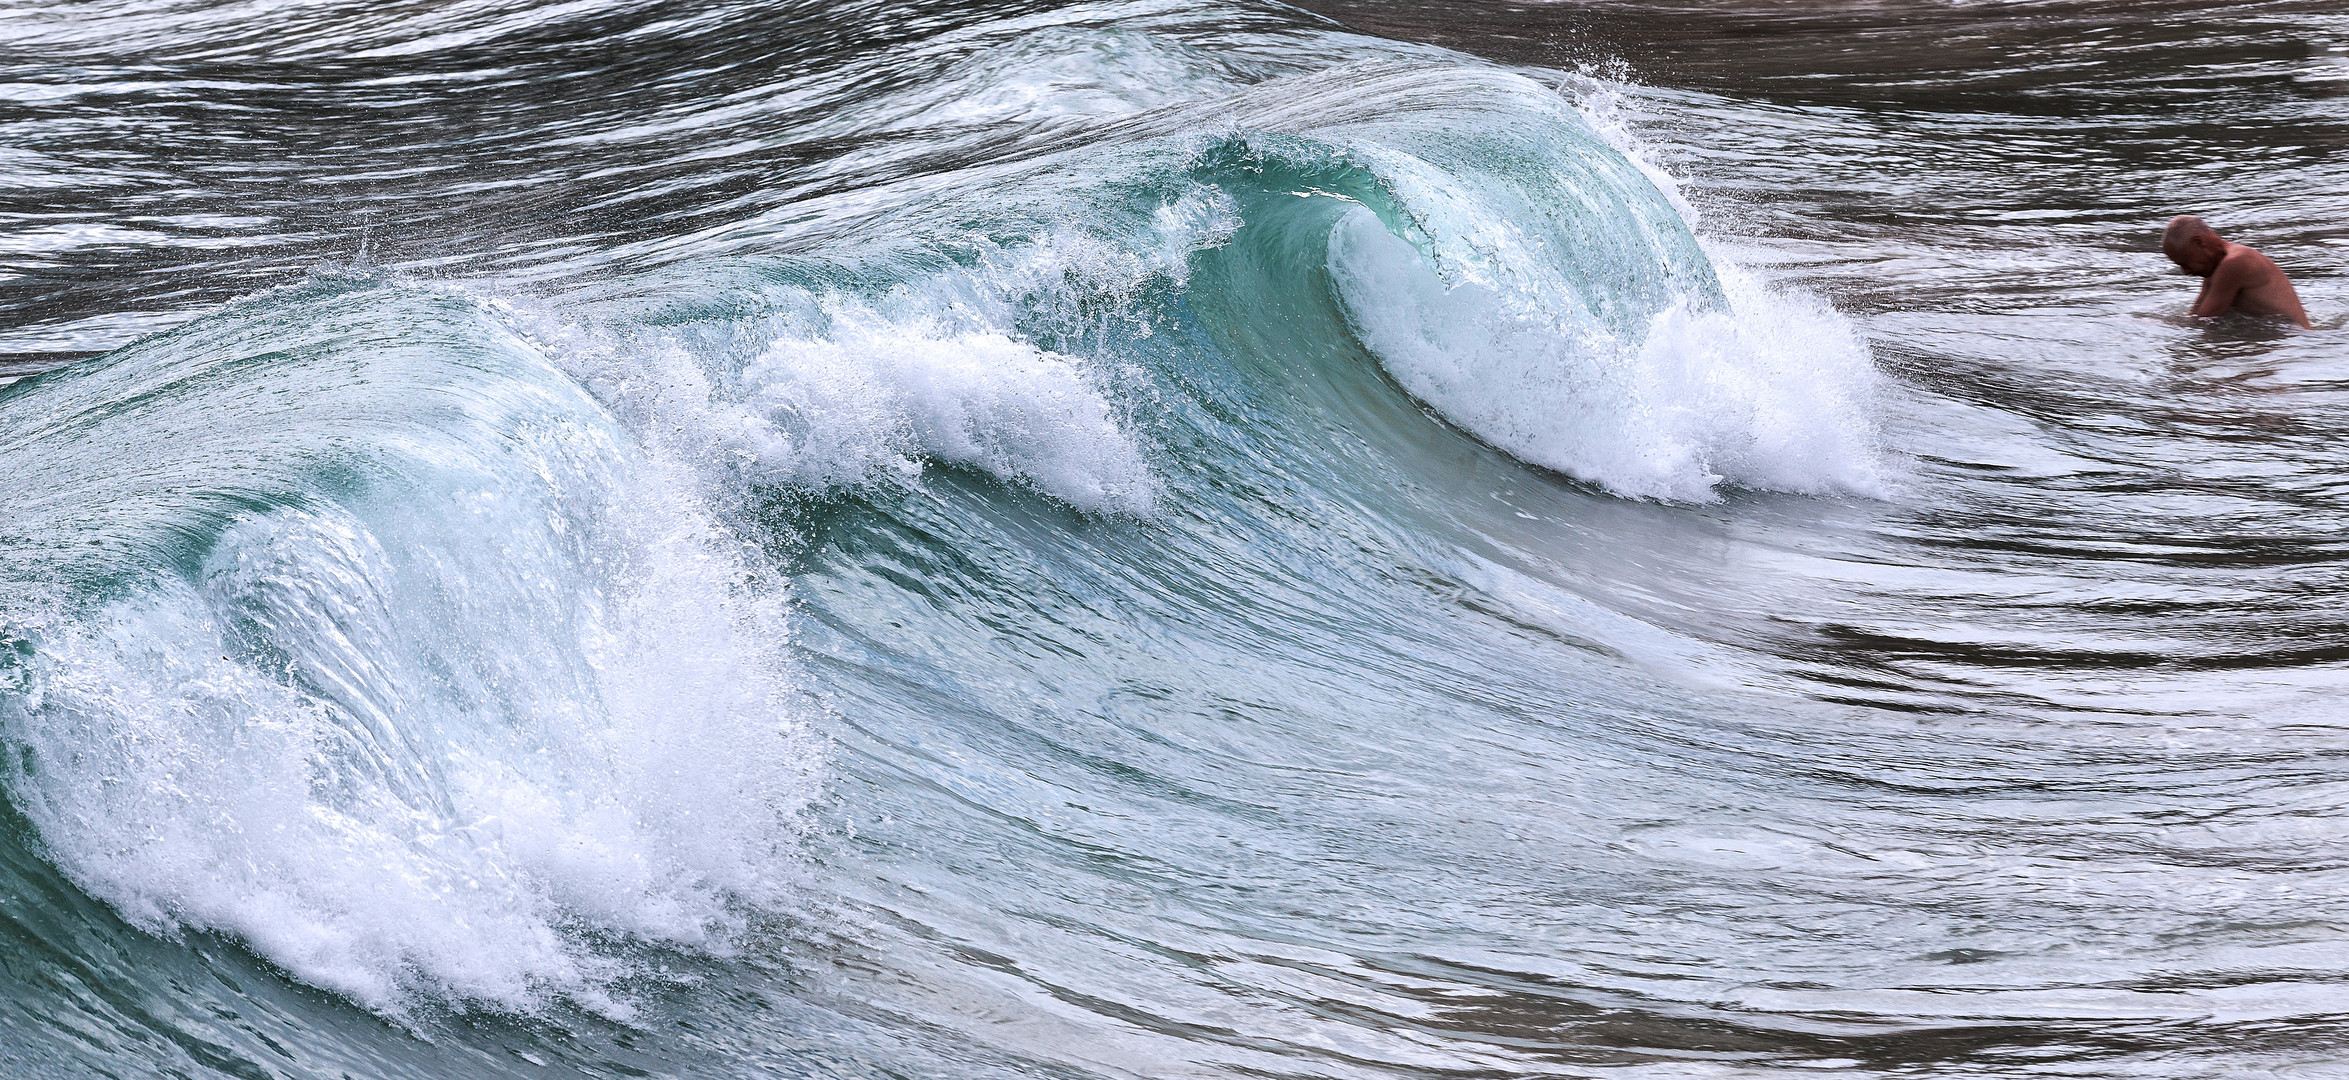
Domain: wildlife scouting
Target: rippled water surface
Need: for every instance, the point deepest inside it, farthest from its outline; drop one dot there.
(1141, 539)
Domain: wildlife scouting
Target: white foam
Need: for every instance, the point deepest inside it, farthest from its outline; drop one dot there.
(845, 391)
(870, 399)
(440, 742)
(1766, 390)
(866, 400)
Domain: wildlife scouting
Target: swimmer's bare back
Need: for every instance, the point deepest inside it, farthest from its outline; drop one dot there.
(2235, 277)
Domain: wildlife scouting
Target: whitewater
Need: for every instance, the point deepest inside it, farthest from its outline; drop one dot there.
(1165, 539)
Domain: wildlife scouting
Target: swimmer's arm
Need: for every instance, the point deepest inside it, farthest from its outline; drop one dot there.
(2222, 288)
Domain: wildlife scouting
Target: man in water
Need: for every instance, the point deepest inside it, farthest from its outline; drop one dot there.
(2234, 277)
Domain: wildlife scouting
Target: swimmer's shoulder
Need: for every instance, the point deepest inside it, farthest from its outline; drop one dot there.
(2247, 264)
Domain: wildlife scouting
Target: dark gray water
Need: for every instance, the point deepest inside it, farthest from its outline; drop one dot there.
(1138, 539)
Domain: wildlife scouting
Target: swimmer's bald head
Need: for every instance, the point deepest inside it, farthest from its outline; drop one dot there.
(2191, 243)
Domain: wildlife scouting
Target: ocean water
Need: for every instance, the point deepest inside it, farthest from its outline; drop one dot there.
(1146, 539)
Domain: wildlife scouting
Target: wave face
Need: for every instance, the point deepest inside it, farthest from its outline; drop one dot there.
(260, 686)
(1113, 539)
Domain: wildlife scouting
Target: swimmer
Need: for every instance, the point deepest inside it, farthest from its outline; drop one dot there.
(2234, 277)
